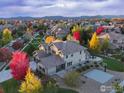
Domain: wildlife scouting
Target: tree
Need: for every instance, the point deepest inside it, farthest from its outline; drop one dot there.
(76, 28)
(31, 84)
(85, 37)
(94, 43)
(5, 54)
(17, 45)
(49, 39)
(99, 30)
(69, 37)
(105, 44)
(7, 37)
(30, 49)
(71, 78)
(51, 87)
(19, 65)
(118, 88)
(1, 90)
(76, 35)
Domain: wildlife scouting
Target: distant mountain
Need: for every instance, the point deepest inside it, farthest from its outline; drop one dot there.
(64, 18)
(85, 17)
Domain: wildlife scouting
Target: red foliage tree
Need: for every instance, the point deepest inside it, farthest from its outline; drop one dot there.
(17, 45)
(99, 30)
(19, 65)
(1, 90)
(76, 35)
(5, 54)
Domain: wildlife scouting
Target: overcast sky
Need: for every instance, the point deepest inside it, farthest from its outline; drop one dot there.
(39, 8)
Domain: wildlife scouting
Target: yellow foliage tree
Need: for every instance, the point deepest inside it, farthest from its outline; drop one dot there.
(76, 28)
(94, 43)
(69, 37)
(7, 36)
(49, 39)
(31, 84)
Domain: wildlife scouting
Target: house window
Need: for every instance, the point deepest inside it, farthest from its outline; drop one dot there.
(60, 67)
(66, 56)
(80, 52)
(69, 64)
(42, 69)
(71, 55)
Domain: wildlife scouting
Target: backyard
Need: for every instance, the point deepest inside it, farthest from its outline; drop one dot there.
(114, 64)
(12, 86)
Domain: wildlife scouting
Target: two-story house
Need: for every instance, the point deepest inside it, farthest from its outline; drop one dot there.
(59, 56)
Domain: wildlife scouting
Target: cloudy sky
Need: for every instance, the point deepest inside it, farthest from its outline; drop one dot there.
(39, 8)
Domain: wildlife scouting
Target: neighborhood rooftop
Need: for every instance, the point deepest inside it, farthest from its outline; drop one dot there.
(68, 47)
(52, 61)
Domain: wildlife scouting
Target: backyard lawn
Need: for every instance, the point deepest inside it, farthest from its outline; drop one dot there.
(12, 86)
(114, 64)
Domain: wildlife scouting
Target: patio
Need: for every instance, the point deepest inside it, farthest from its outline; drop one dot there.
(99, 76)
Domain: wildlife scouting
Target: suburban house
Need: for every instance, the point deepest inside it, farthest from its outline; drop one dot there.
(59, 56)
(117, 40)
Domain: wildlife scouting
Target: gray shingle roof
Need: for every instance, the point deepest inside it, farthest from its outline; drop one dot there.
(42, 54)
(52, 61)
(69, 47)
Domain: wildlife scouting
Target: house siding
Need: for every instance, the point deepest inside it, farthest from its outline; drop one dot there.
(52, 70)
(76, 58)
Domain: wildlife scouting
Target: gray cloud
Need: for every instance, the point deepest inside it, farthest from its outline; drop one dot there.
(60, 7)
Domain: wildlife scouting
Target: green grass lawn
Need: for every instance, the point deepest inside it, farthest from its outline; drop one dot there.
(117, 56)
(114, 64)
(12, 86)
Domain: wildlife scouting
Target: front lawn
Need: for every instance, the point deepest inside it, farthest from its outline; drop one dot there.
(114, 64)
(12, 86)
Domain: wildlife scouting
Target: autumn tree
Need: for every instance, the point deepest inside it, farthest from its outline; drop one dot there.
(31, 84)
(94, 43)
(49, 39)
(7, 37)
(19, 65)
(5, 54)
(76, 32)
(76, 28)
(69, 37)
(1, 90)
(76, 36)
(17, 45)
(99, 30)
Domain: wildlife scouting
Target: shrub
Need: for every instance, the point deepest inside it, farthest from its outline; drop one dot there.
(51, 87)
